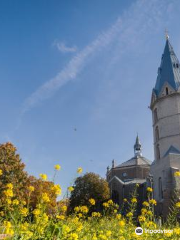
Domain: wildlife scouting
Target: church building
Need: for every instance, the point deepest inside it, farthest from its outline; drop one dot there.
(165, 107)
(123, 177)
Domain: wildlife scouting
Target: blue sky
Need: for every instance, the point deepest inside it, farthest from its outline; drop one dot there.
(89, 65)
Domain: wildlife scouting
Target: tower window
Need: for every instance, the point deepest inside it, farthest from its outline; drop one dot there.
(156, 134)
(160, 188)
(157, 152)
(155, 115)
(167, 91)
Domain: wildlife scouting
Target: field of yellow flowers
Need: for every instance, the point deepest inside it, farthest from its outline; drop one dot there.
(18, 221)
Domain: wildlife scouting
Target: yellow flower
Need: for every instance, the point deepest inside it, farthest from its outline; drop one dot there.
(1, 172)
(8, 201)
(149, 213)
(92, 201)
(96, 214)
(70, 189)
(65, 229)
(176, 231)
(177, 174)
(108, 233)
(105, 204)
(134, 200)
(36, 212)
(80, 215)
(24, 211)
(178, 204)
(23, 202)
(9, 185)
(15, 202)
(142, 218)
(57, 189)
(45, 217)
(121, 223)
(31, 188)
(2, 214)
(153, 201)
(79, 170)
(45, 198)
(60, 217)
(118, 216)
(129, 214)
(110, 202)
(84, 209)
(122, 238)
(168, 234)
(64, 208)
(125, 199)
(43, 176)
(149, 189)
(57, 167)
(143, 211)
(8, 228)
(146, 204)
(76, 209)
(73, 236)
(8, 193)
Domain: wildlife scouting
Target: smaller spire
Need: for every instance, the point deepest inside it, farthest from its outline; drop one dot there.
(137, 147)
(113, 163)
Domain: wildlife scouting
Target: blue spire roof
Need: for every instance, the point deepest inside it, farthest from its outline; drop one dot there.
(169, 71)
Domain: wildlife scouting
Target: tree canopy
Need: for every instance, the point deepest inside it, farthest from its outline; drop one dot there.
(89, 186)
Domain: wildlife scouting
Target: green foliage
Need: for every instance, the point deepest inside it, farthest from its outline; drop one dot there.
(90, 185)
(13, 170)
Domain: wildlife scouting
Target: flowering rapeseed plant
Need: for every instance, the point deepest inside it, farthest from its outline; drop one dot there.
(20, 221)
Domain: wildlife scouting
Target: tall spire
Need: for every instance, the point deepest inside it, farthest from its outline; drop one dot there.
(169, 70)
(137, 147)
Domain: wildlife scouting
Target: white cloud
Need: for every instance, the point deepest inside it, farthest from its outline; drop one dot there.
(74, 66)
(61, 46)
(140, 17)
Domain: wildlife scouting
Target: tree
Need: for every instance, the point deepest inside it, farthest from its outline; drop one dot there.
(89, 186)
(41, 186)
(12, 170)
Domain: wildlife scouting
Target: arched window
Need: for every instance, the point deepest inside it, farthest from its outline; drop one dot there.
(160, 188)
(156, 134)
(155, 115)
(157, 152)
(167, 91)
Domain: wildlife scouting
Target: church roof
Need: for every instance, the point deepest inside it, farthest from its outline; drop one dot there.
(130, 181)
(172, 150)
(169, 70)
(135, 161)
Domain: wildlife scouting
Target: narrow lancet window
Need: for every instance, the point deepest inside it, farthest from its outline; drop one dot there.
(156, 134)
(155, 115)
(167, 91)
(157, 152)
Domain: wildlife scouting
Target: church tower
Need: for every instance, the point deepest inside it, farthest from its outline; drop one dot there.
(165, 106)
